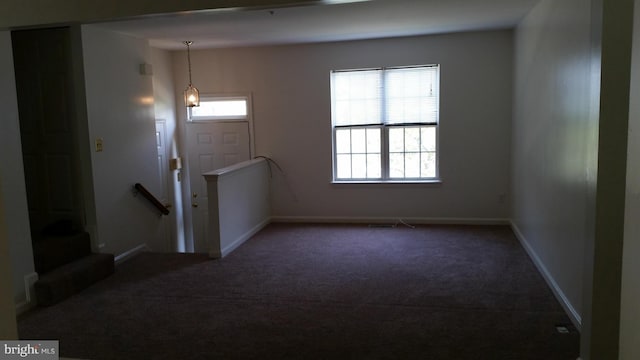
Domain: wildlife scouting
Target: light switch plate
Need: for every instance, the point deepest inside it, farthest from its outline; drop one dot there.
(175, 164)
(98, 144)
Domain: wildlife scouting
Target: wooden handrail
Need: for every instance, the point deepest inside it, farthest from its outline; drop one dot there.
(152, 199)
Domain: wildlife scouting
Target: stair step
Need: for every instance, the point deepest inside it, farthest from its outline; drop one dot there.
(73, 277)
(52, 252)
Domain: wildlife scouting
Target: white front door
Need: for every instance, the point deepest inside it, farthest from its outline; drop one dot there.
(211, 145)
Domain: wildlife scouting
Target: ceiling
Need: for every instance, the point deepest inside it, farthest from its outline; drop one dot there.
(353, 20)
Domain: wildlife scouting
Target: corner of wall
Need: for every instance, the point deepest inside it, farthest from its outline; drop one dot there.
(13, 195)
(568, 307)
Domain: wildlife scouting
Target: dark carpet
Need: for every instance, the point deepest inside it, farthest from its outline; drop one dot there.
(321, 292)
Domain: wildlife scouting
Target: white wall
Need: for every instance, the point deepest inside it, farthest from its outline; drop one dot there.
(8, 329)
(291, 108)
(630, 295)
(238, 204)
(14, 193)
(555, 142)
(120, 111)
(165, 109)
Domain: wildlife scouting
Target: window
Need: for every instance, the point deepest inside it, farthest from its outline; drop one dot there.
(385, 124)
(222, 108)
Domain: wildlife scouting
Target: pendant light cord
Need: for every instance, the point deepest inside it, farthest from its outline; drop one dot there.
(188, 43)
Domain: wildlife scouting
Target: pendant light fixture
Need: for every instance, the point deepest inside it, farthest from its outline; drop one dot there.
(191, 93)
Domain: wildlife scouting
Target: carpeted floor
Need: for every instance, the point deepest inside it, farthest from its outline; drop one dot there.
(321, 292)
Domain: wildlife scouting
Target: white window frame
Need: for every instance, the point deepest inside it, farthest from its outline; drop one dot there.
(222, 97)
(384, 134)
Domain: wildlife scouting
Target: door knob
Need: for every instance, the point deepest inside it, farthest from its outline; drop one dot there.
(195, 205)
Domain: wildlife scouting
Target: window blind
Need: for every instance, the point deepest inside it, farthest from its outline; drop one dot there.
(392, 96)
(411, 95)
(357, 97)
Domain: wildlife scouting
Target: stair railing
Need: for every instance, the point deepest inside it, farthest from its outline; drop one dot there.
(152, 199)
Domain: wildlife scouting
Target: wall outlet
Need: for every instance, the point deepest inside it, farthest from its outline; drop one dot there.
(146, 69)
(99, 145)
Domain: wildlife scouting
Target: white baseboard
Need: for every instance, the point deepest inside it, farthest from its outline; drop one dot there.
(30, 300)
(244, 237)
(391, 220)
(575, 317)
(130, 253)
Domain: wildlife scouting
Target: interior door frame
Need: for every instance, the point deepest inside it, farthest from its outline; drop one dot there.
(168, 198)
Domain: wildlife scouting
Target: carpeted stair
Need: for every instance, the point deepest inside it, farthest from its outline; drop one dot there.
(66, 265)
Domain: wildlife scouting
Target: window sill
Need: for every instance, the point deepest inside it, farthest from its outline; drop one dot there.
(428, 183)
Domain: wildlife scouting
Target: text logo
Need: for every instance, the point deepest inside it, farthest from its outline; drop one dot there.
(29, 349)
